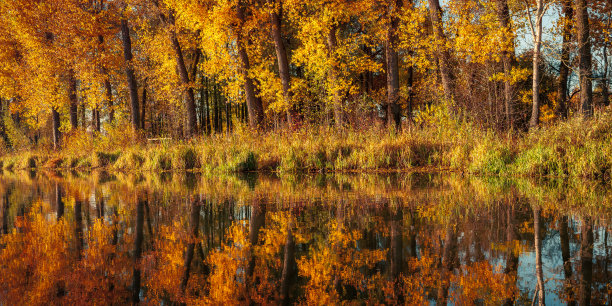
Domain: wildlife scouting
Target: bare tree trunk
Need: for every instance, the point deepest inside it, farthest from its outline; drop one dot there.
(129, 73)
(537, 45)
(282, 61)
(435, 12)
(509, 61)
(72, 96)
(393, 107)
(568, 13)
(538, 253)
(56, 125)
(584, 52)
(254, 104)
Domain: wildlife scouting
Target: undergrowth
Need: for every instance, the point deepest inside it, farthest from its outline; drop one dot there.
(573, 148)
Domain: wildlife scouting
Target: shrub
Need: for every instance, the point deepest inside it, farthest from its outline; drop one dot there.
(129, 160)
(54, 163)
(103, 159)
(186, 158)
(292, 160)
(158, 159)
(539, 161)
(488, 158)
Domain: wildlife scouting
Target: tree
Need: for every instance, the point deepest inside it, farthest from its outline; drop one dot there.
(281, 56)
(393, 84)
(509, 61)
(540, 291)
(536, 34)
(254, 104)
(584, 54)
(443, 55)
(181, 67)
(586, 261)
(129, 73)
(564, 65)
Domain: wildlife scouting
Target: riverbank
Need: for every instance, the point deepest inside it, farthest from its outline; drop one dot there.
(575, 148)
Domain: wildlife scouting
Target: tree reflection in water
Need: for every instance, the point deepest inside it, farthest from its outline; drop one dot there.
(397, 239)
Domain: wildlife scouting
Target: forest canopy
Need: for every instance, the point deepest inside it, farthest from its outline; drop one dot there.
(182, 68)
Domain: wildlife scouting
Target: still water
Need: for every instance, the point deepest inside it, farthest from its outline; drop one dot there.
(115, 238)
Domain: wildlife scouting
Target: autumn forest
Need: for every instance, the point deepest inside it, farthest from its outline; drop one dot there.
(321, 152)
(186, 68)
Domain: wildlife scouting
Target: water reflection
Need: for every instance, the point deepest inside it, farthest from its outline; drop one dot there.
(395, 238)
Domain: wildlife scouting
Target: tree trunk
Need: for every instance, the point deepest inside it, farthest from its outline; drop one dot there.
(129, 73)
(537, 45)
(538, 254)
(254, 104)
(78, 227)
(512, 259)
(446, 267)
(568, 13)
(258, 220)
(100, 206)
(332, 44)
(584, 53)
(59, 202)
(410, 84)
(56, 125)
(195, 224)
(282, 61)
(138, 231)
(192, 125)
(394, 116)
(107, 86)
(72, 97)
(207, 95)
(288, 267)
(586, 262)
(435, 12)
(143, 108)
(604, 81)
(565, 256)
(5, 211)
(396, 252)
(509, 61)
(83, 114)
(96, 118)
(228, 116)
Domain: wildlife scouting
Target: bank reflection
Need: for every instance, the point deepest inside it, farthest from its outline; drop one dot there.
(395, 239)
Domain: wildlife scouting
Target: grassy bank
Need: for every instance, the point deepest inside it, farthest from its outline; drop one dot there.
(575, 148)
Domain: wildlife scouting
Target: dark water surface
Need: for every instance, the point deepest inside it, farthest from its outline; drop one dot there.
(100, 238)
